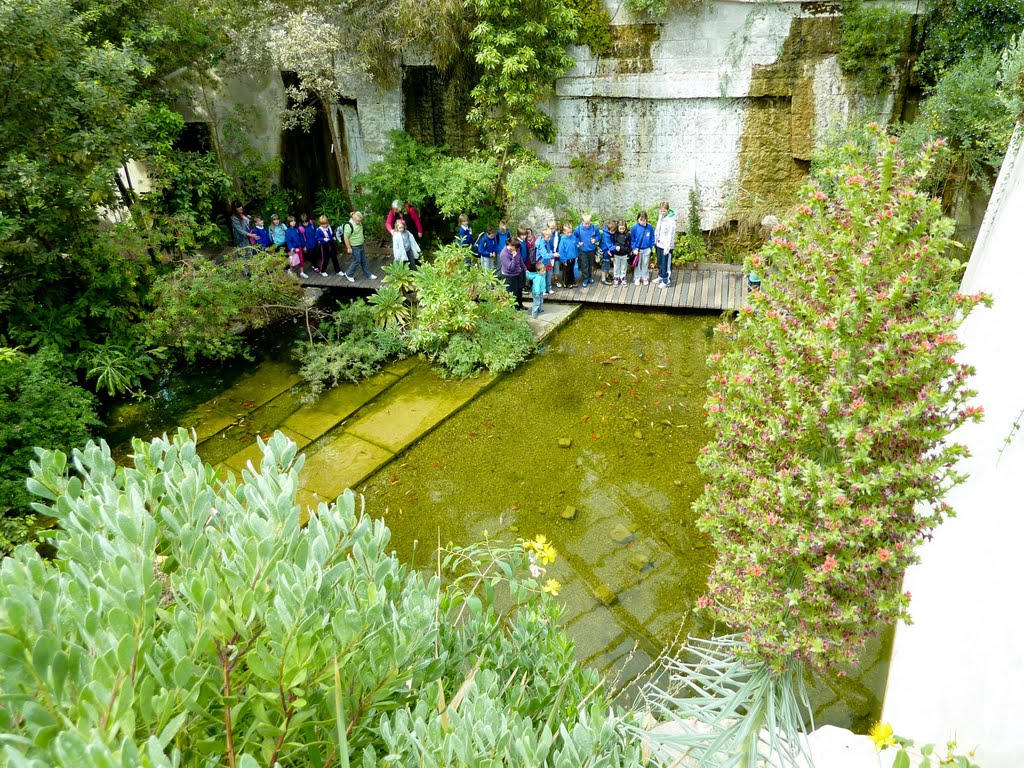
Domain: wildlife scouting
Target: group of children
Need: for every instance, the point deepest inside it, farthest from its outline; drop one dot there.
(561, 256)
(303, 241)
(556, 259)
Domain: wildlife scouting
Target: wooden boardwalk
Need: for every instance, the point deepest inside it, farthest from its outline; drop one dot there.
(711, 287)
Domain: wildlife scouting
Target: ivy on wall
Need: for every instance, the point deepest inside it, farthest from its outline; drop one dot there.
(872, 44)
(595, 25)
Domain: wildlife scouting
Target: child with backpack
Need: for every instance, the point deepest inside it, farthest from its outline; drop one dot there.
(487, 248)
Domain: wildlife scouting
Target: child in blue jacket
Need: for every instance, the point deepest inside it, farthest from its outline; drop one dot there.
(642, 240)
(587, 239)
(277, 230)
(308, 230)
(464, 237)
(293, 242)
(325, 244)
(537, 282)
(487, 247)
(607, 252)
(568, 252)
(258, 235)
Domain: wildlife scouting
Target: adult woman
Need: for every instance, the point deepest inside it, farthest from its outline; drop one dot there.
(406, 214)
(239, 225)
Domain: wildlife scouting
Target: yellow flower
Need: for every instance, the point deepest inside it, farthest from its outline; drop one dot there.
(543, 549)
(552, 587)
(881, 734)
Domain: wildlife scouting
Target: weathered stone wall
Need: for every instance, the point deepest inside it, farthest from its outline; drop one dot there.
(732, 97)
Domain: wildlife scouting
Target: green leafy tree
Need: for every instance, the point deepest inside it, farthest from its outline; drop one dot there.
(831, 407)
(203, 308)
(188, 620)
(966, 29)
(39, 407)
(520, 50)
(873, 40)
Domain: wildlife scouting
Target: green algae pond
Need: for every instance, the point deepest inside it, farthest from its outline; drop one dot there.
(591, 443)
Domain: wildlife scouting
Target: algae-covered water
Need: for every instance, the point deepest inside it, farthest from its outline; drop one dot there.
(592, 443)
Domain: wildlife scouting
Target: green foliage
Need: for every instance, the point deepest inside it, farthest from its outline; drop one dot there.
(256, 173)
(389, 307)
(924, 756)
(691, 244)
(595, 29)
(398, 275)
(872, 41)
(529, 184)
(119, 368)
(966, 109)
(519, 48)
(39, 407)
(418, 174)
(203, 307)
(240, 637)
(600, 165)
(658, 8)
(464, 320)
(966, 29)
(728, 712)
(351, 347)
(71, 114)
(188, 186)
(334, 204)
(831, 407)
(459, 185)
(1011, 78)
(280, 200)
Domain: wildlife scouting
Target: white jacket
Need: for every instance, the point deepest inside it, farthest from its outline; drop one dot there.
(402, 243)
(665, 232)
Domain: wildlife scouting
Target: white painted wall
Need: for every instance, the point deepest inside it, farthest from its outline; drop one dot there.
(958, 670)
(678, 123)
(683, 121)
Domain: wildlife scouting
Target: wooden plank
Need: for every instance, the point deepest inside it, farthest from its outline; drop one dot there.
(631, 293)
(662, 296)
(678, 286)
(705, 286)
(733, 282)
(691, 291)
(715, 291)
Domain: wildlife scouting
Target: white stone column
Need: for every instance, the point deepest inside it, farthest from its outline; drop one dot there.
(958, 670)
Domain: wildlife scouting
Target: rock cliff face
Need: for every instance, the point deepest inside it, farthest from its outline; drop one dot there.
(731, 97)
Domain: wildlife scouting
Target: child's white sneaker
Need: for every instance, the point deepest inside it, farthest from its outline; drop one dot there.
(303, 275)
(349, 277)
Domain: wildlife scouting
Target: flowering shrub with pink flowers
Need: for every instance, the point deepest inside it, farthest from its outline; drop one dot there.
(831, 410)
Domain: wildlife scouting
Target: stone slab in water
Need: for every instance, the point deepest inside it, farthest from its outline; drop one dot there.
(268, 381)
(254, 453)
(336, 405)
(340, 464)
(414, 406)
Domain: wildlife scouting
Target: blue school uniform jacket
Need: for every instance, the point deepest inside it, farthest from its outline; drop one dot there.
(308, 235)
(324, 234)
(486, 245)
(502, 238)
(293, 238)
(465, 237)
(587, 238)
(568, 249)
(642, 236)
(607, 246)
(262, 237)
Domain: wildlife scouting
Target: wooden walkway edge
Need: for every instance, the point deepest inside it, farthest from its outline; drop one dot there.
(710, 287)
